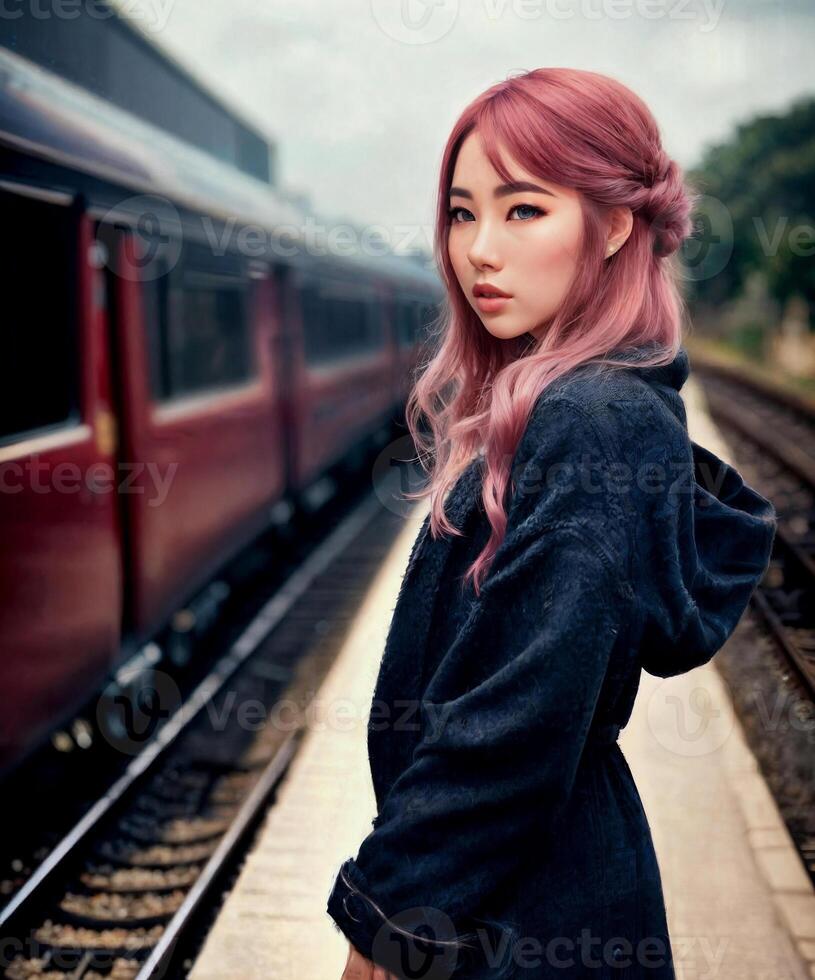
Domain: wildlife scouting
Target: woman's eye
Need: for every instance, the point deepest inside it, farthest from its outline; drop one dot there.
(528, 207)
(454, 213)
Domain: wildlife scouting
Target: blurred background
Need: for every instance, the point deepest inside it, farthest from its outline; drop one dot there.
(729, 81)
(345, 94)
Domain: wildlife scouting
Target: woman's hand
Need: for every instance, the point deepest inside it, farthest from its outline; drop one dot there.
(358, 967)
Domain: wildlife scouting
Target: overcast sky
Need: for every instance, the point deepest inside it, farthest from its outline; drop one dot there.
(361, 94)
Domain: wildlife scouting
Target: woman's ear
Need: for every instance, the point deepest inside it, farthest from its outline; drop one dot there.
(620, 223)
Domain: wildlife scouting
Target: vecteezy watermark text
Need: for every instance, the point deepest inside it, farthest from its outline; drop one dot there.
(39, 476)
(152, 15)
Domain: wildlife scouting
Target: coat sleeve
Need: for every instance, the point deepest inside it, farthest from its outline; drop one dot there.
(504, 718)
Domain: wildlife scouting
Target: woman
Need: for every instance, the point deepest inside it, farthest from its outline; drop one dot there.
(585, 537)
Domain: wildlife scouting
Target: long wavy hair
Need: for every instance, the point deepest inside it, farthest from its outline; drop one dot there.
(474, 393)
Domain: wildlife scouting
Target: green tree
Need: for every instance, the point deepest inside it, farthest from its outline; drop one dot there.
(759, 199)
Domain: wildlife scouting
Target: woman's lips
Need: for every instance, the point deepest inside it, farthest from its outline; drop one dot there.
(492, 304)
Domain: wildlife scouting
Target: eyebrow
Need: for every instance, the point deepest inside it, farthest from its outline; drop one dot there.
(503, 190)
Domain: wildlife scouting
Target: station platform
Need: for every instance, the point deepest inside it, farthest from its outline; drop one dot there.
(739, 904)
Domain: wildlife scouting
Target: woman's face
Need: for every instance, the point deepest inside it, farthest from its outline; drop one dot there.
(522, 238)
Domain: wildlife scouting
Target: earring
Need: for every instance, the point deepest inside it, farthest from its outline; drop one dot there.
(612, 248)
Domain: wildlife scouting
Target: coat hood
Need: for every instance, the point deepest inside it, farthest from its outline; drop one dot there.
(711, 544)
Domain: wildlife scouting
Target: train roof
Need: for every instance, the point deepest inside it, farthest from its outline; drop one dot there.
(45, 116)
(106, 45)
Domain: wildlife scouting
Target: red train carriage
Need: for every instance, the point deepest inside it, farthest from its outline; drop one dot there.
(168, 386)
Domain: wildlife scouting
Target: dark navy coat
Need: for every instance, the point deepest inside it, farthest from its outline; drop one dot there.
(510, 839)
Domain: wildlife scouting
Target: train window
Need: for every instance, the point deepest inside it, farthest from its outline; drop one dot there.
(399, 324)
(376, 326)
(199, 329)
(154, 303)
(40, 357)
(336, 327)
(407, 323)
(401, 330)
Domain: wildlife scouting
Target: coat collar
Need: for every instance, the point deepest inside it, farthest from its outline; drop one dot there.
(429, 556)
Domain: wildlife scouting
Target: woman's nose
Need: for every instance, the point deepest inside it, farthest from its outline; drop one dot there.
(484, 249)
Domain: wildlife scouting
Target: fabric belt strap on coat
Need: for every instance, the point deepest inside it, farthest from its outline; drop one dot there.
(604, 734)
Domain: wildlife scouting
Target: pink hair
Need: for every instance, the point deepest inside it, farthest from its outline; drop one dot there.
(589, 132)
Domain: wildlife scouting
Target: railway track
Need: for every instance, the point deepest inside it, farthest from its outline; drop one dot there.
(772, 436)
(128, 892)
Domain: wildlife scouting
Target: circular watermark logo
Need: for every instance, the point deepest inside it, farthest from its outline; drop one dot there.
(689, 722)
(417, 942)
(710, 246)
(130, 713)
(154, 244)
(395, 472)
(415, 21)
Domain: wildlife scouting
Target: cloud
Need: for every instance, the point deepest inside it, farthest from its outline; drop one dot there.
(361, 118)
